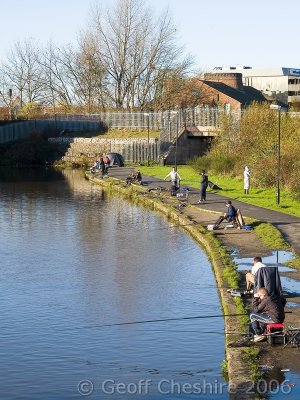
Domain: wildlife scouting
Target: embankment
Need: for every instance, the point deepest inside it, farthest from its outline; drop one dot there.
(239, 379)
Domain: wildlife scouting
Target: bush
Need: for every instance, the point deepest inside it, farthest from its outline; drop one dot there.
(253, 141)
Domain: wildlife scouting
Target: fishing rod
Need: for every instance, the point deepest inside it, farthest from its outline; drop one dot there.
(149, 321)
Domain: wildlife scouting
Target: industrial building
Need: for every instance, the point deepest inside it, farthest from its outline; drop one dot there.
(276, 84)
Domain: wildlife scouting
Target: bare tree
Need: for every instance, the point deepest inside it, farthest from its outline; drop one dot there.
(54, 78)
(135, 49)
(88, 74)
(121, 62)
(22, 72)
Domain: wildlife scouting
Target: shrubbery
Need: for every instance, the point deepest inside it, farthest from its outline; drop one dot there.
(254, 142)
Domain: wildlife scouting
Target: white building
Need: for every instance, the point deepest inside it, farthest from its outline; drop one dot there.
(282, 84)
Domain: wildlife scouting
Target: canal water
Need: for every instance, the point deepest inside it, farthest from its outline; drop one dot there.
(77, 264)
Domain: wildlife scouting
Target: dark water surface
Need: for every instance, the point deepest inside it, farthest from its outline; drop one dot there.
(73, 260)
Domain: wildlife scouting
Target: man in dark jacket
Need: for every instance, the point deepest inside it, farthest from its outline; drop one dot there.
(267, 310)
(229, 215)
(203, 186)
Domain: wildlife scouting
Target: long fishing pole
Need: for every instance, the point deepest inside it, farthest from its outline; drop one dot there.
(169, 319)
(174, 319)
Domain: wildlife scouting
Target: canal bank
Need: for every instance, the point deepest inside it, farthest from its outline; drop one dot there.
(194, 220)
(191, 220)
(75, 260)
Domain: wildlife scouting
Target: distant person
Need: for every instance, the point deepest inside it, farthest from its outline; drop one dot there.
(203, 186)
(246, 180)
(134, 177)
(102, 167)
(257, 264)
(175, 177)
(267, 310)
(106, 164)
(130, 178)
(229, 216)
(139, 177)
(95, 167)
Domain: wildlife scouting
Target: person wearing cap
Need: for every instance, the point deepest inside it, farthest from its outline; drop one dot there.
(229, 216)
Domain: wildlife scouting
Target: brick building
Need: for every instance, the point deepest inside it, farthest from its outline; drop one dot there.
(227, 90)
(276, 84)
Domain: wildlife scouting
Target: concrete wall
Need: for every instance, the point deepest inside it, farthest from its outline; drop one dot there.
(133, 150)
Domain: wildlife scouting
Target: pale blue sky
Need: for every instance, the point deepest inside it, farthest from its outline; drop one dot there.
(258, 33)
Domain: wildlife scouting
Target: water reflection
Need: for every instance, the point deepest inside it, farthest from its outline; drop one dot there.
(74, 260)
(275, 259)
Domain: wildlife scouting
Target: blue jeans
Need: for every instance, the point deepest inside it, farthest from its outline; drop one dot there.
(259, 321)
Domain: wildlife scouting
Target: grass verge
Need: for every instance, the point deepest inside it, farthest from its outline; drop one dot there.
(250, 355)
(232, 187)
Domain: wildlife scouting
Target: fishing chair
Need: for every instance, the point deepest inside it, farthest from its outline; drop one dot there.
(275, 333)
(293, 336)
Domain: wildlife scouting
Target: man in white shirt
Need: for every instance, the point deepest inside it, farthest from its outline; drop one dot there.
(257, 264)
(175, 177)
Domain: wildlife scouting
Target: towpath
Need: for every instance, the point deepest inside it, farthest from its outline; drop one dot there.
(288, 225)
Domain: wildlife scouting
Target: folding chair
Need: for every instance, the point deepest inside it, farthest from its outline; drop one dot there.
(239, 220)
(293, 336)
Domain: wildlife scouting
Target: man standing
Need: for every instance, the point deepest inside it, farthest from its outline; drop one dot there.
(175, 177)
(246, 180)
(257, 264)
(203, 186)
(267, 310)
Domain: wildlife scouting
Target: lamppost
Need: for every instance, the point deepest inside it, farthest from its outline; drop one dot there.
(10, 96)
(148, 137)
(278, 108)
(176, 144)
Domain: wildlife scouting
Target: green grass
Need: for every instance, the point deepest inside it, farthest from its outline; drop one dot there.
(250, 355)
(232, 188)
(271, 237)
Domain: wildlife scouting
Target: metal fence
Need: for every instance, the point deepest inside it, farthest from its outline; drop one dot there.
(168, 123)
(153, 120)
(20, 130)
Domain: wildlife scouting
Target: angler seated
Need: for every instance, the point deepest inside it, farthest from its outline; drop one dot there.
(229, 216)
(267, 309)
(95, 167)
(134, 177)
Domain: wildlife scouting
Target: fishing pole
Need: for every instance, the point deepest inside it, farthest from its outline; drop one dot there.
(169, 319)
(174, 319)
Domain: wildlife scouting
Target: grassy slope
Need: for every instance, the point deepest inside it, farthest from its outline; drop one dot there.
(232, 187)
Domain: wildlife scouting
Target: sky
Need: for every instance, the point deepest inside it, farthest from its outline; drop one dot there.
(257, 33)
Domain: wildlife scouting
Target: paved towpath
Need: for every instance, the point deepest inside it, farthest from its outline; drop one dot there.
(288, 225)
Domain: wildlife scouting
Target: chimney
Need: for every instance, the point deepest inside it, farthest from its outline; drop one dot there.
(233, 80)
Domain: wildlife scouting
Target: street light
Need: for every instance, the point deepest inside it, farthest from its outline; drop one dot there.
(10, 96)
(278, 108)
(148, 137)
(176, 144)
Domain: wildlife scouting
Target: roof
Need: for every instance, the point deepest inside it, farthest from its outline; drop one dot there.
(245, 96)
(259, 72)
